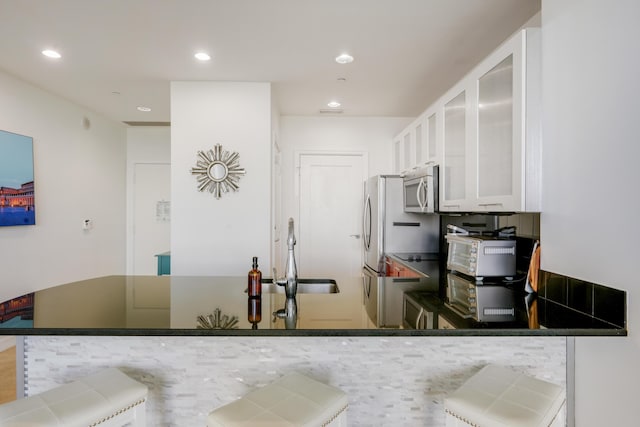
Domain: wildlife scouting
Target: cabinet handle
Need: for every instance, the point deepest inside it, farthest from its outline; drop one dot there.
(451, 206)
(420, 314)
(489, 204)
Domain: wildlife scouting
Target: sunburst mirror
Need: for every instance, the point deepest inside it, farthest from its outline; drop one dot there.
(217, 171)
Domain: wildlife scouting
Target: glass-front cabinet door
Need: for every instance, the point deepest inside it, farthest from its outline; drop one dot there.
(507, 143)
(495, 173)
(453, 174)
(420, 154)
(431, 138)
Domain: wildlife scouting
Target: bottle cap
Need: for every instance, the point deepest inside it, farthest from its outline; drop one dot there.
(255, 262)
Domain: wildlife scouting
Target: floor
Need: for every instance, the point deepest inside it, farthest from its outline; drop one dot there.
(8, 375)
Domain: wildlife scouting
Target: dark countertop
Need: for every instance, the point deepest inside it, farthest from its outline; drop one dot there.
(170, 305)
(530, 310)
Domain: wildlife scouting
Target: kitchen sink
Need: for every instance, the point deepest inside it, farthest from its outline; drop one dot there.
(305, 286)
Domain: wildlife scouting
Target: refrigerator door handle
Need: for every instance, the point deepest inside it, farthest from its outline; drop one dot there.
(366, 223)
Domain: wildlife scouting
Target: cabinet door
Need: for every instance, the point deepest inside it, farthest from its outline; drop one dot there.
(502, 137)
(397, 156)
(421, 153)
(499, 136)
(495, 133)
(454, 171)
(432, 149)
(407, 147)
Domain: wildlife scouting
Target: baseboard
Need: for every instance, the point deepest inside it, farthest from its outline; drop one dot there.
(7, 342)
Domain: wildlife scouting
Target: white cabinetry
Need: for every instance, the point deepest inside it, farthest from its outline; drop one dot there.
(412, 147)
(501, 153)
(508, 142)
(485, 133)
(431, 140)
(455, 163)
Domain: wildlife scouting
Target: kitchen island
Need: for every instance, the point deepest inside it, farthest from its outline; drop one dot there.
(148, 327)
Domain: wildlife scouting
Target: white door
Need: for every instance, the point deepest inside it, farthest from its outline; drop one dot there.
(331, 191)
(151, 215)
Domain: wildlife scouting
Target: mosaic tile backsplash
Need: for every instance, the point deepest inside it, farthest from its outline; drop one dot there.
(390, 381)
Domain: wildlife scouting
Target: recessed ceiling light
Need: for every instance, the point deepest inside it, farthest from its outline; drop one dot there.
(202, 56)
(333, 104)
(345, 58)
(144, 109)
(51, 54)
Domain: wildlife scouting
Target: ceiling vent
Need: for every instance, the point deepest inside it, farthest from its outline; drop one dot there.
(331, 111)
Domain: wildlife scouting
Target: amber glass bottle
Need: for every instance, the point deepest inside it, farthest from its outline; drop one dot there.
(254, 287)
(254, 311)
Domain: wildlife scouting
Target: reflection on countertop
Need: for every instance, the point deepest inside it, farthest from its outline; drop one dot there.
(562, 303)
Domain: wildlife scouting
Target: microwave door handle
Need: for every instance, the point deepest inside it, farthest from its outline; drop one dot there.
(419, 193)
(425, 200)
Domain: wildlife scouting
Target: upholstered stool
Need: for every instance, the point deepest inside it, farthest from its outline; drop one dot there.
(293, 400)
(501, 397)
(108, 398)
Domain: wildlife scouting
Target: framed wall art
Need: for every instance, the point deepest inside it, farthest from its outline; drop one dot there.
(17, 201)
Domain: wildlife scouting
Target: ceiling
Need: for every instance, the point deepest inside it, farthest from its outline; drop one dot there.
(121, 54)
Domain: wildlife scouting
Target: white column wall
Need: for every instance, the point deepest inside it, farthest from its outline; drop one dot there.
(212, 236)
(591, 99)
(79, 174)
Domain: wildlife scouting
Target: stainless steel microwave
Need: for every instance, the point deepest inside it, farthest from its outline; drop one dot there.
(421, 190)
(481, 256)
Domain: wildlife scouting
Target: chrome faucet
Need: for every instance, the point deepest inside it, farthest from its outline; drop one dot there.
(290, 279)
(289, 313)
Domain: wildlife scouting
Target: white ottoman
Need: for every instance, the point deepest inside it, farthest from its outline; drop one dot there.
(108, 398)
(293, 400)
(501, 397)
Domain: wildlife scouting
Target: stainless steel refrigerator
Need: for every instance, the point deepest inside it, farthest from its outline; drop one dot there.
(388, 229)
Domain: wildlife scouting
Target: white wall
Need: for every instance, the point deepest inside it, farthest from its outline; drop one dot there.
(212, 236)
(79, 174)
(371, 135)
(145, 144)
(591, 99)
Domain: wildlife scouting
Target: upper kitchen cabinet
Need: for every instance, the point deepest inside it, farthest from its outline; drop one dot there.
(407, 146)
(507, 112)
(484, 132)
(431, 140)
(491, 139)
(415, 145)
(403, 151)
(454, 171)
